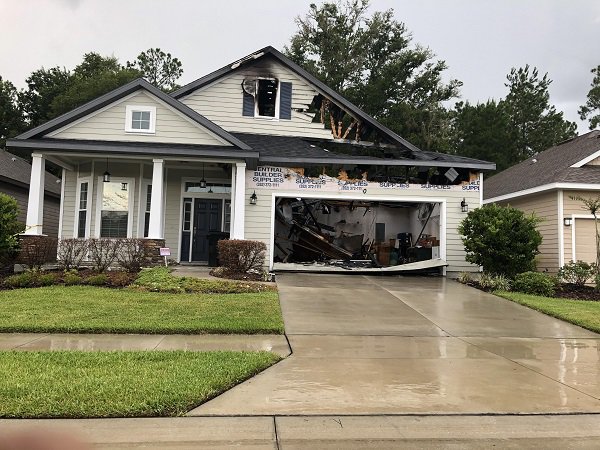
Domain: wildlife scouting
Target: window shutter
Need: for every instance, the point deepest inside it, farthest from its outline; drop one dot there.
(285, 100)
(248, 106)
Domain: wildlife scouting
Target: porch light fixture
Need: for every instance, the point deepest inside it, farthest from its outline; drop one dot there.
(568, 221)
(253, 198)
(464, 206)
(202, 181)
(123, 186)
(106, 175)
(210, 191)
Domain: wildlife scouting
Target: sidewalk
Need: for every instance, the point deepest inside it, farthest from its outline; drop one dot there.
(106, 342)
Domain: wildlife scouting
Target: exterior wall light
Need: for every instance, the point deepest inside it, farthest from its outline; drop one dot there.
(106, 175)
(202, 181)
(568, 222)
(464, 206)
(253, 198)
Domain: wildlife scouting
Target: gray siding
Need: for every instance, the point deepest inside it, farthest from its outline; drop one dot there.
(109, 124)
(222, 102)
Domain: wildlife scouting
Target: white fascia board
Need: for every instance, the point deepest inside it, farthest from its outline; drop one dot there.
(543, 188)
(584, 161)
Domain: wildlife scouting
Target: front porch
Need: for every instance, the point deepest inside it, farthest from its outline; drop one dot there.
(181, 203)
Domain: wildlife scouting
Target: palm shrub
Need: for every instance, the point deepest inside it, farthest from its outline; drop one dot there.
(502, 239)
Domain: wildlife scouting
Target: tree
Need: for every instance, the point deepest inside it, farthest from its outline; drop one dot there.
(501, 239)
(159, 68)
(94, 76)
(482, 131)
(9, 228)
(372, 62)
(593, 206)
(591, 109)
(11, 117)
(535, 124)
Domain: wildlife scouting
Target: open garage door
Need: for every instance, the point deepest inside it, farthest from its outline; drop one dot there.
(356, 235)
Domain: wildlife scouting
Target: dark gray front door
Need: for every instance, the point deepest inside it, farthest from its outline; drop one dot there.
(207, 219)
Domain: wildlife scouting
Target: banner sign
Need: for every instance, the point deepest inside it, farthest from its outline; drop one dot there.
(286, 179)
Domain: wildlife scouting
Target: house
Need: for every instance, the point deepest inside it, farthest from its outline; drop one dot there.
(245, 152)
(15, 175)
(547, 185)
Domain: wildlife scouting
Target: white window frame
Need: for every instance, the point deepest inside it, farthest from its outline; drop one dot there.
(258, 116)
(130, 203)
(129, 109)
(88, 220)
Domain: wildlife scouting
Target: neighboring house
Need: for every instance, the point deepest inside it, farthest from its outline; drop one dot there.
(545, 185)
(15, 174)
(241, 151)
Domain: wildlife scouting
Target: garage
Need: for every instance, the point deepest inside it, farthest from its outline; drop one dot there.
(584, 249)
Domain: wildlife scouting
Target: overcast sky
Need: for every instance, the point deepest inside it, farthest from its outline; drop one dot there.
(479, 39)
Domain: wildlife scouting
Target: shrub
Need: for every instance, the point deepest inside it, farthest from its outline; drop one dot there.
(37, 250)
(578, 272)
(71, 279)
(501, 239)
(131, 254)
(97, 280)
(71, 252)
(22, 280)
(241, 256)
(535, 283)
(491, 282)
(103, 252)
(9, 229)
(47, 279)
(120, 279)
(464, 278)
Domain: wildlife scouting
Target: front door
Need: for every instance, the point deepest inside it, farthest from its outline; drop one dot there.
(207, 219)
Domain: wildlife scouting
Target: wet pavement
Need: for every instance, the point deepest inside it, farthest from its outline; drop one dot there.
(415, 345)
(107, 342)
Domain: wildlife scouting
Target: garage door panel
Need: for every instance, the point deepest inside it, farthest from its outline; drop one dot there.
(585, 240)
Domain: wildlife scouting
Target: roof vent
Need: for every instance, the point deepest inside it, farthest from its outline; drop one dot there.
(533, 160)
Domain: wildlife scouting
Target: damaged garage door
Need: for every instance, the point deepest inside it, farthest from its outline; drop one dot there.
(355, 235)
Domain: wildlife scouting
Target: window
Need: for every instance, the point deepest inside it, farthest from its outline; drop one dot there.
(140, 119)
(82, 209)
(147, 210)
(114, 216)
(227, 216)
(217, 188)
(266, 98)
(187, 214)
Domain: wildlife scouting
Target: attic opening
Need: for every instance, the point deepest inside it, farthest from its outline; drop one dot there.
(266, 97)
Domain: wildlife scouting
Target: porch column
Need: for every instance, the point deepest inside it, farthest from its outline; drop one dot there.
(238, 185)
(157, 211)
(35, 205)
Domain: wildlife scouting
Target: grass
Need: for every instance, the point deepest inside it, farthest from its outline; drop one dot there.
(87, 309)
(119, 384)
(586, 314)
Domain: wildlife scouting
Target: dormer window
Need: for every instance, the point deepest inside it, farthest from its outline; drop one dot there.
(267, 98)
(140, 119)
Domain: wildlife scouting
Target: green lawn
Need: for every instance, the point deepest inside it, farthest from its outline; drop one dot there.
(586, 314)
(87, 309)
(119, 384)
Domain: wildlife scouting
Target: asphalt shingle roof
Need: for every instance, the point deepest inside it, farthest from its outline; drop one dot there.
(550, 166)
(14, 168)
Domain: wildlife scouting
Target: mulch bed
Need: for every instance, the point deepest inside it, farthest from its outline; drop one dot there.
(566, 291)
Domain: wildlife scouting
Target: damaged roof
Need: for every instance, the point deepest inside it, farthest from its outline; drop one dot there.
(279, 150)
(554, 165)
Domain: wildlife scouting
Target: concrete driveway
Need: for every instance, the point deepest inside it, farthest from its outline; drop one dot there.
(416, 345)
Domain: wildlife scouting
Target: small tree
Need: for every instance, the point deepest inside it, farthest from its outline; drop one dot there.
(501, 239)
(9, 228)
(593, 206)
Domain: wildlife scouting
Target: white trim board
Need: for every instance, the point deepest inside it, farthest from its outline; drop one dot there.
(587, 159)
(543, 188)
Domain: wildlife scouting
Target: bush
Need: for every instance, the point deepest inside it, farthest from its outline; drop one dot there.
(103, 252)
(120, 279)
(37, 250)
(491, 282)
(576, 272)
(464, 278)
(241, 256)
(97, 280)
(71, 279)
(22, 280)
(9, 229)
(501, 239)
(71, 252)
(131, 254)
(47, 279)
(535, 283)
